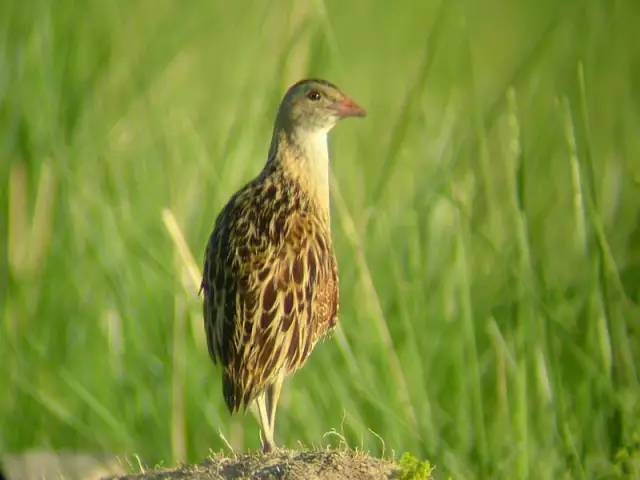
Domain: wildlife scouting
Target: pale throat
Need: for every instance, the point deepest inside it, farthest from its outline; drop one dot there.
(311, 164)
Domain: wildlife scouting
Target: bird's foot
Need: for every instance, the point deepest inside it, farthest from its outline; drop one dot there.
(268, 445)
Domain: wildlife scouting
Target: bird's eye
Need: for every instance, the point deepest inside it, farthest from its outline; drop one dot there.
(314, 95)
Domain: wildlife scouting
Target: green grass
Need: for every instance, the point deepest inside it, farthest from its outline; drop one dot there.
(486, 216)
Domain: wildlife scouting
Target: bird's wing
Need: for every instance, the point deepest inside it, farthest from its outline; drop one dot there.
(218, 286)
(270, 293)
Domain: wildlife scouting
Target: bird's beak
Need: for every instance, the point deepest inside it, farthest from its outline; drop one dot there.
(349, 108)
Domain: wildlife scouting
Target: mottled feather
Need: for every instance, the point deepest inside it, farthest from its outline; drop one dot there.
(270, 284)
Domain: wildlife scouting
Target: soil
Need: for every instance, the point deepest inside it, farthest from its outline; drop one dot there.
(282, 464)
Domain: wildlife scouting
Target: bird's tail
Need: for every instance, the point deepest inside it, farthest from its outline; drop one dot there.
(232, 392)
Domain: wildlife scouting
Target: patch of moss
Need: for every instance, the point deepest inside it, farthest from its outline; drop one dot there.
(626, 463)
(412, 468)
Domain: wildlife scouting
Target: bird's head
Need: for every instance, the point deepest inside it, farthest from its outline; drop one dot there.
(315, 106)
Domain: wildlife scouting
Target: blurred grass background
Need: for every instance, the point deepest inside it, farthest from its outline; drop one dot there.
(486, 216)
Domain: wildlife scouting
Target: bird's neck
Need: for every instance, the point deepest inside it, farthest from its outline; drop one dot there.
(304, 156)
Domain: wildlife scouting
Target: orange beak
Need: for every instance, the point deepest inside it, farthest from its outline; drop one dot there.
(349, 108)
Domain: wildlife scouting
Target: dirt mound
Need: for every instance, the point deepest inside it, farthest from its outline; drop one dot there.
(284, 464)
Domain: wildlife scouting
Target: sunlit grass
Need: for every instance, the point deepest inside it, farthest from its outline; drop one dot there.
(485, 216)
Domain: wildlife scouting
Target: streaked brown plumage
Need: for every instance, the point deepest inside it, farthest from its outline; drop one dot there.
(270, 275)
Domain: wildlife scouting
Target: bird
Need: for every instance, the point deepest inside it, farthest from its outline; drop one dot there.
(270, 277)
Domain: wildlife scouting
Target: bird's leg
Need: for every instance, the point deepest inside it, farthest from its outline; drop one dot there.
(273, 394)
(266, 434)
